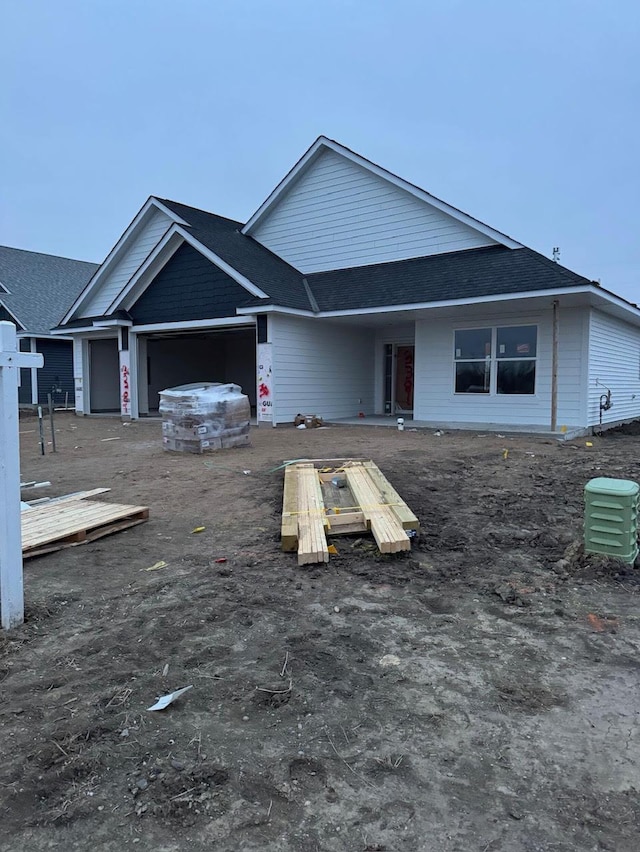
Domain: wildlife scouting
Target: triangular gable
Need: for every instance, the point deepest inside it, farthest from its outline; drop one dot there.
(188, 287)
(143, 234)
(336, 210)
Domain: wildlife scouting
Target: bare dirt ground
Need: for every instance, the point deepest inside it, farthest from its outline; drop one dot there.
(509, 720)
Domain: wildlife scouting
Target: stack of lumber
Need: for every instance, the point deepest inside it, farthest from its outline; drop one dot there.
(314, 508)
(74, 519)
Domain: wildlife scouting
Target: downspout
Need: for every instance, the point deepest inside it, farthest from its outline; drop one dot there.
(554, 368)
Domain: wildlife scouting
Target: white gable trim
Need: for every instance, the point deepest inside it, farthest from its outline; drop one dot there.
(221, 264)
(163, 252)
(170, 237)
(323, 143)
(118, 250)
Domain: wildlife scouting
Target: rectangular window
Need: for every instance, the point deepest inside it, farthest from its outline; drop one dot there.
(473, 360)
(496, 360)
(516, 352)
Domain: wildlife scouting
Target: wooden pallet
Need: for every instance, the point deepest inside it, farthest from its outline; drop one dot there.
(313, 508)
(72, 520)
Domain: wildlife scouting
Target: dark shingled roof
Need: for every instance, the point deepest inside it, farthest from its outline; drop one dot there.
(270, 273)
(495, 270)
(41, 287)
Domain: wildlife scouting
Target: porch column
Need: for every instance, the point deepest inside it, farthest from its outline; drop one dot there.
(125, 373)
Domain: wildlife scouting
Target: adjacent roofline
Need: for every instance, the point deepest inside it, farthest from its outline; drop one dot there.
(115, 252)
(188, 325)
(9, 311)
(590, 289)
(322, 142)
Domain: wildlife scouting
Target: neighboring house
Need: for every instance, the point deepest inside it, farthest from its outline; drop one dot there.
(352, 291)
(35, 291)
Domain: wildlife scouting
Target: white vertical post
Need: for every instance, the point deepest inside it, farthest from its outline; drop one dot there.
(11, 587)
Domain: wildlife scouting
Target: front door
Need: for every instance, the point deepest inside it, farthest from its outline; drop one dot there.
(403, 396)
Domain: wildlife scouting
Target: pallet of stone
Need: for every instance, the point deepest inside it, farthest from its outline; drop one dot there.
(74, 519)
(339, 497)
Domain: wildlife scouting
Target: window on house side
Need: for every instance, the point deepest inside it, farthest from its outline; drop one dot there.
(473, 360)
(496, 360)
(516, 350)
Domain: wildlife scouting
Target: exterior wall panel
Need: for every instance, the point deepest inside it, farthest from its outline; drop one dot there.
(614, 361)
(321, 368)
(339, 214)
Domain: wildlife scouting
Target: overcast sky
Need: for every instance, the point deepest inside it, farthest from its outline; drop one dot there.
(525, 115)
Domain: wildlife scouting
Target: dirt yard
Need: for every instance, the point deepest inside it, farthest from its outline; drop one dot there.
(480, 693)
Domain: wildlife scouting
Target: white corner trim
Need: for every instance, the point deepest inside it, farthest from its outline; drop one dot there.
(121, 299)
(221, 264)
(188, 325)
(117, 250)
(421, 194)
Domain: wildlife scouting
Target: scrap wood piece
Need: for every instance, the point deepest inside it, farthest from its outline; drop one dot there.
(53, 526)
(312, 521)
(385, 526)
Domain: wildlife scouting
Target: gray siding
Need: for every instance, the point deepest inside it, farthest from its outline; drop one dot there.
(122, 267)
(24, 391)
(614, 360)
(339, 214)
(435, 399)
(57, 371)
(320, 368)
(189, 287)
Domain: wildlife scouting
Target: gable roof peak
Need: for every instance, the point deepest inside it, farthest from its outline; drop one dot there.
(325, 143)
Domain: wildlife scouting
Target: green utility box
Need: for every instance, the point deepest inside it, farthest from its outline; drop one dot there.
(611, 518)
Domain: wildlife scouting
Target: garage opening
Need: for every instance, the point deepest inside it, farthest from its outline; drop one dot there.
(104, 368)
(228, 355)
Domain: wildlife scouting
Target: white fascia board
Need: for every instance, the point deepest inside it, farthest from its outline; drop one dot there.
(421, 194)
(276, 309)
(121, 299)
(66, 332)
(192, 325)
(284, 184)
(221, 264)
(178, 219)
(108, 323)
(3, 289)
(44, 335)
(117, 250)
(452, 303)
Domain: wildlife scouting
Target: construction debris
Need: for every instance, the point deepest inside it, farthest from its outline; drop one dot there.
(74, 519)
(323, 498)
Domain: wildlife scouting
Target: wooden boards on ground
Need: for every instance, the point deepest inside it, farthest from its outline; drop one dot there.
(74, 520)
(314, 508)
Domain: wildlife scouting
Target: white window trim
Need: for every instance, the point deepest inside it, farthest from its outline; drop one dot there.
(494, 359)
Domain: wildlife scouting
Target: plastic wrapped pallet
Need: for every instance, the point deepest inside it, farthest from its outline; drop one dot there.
(201, 417)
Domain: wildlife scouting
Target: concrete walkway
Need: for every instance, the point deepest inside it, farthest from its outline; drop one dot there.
(391, 422)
